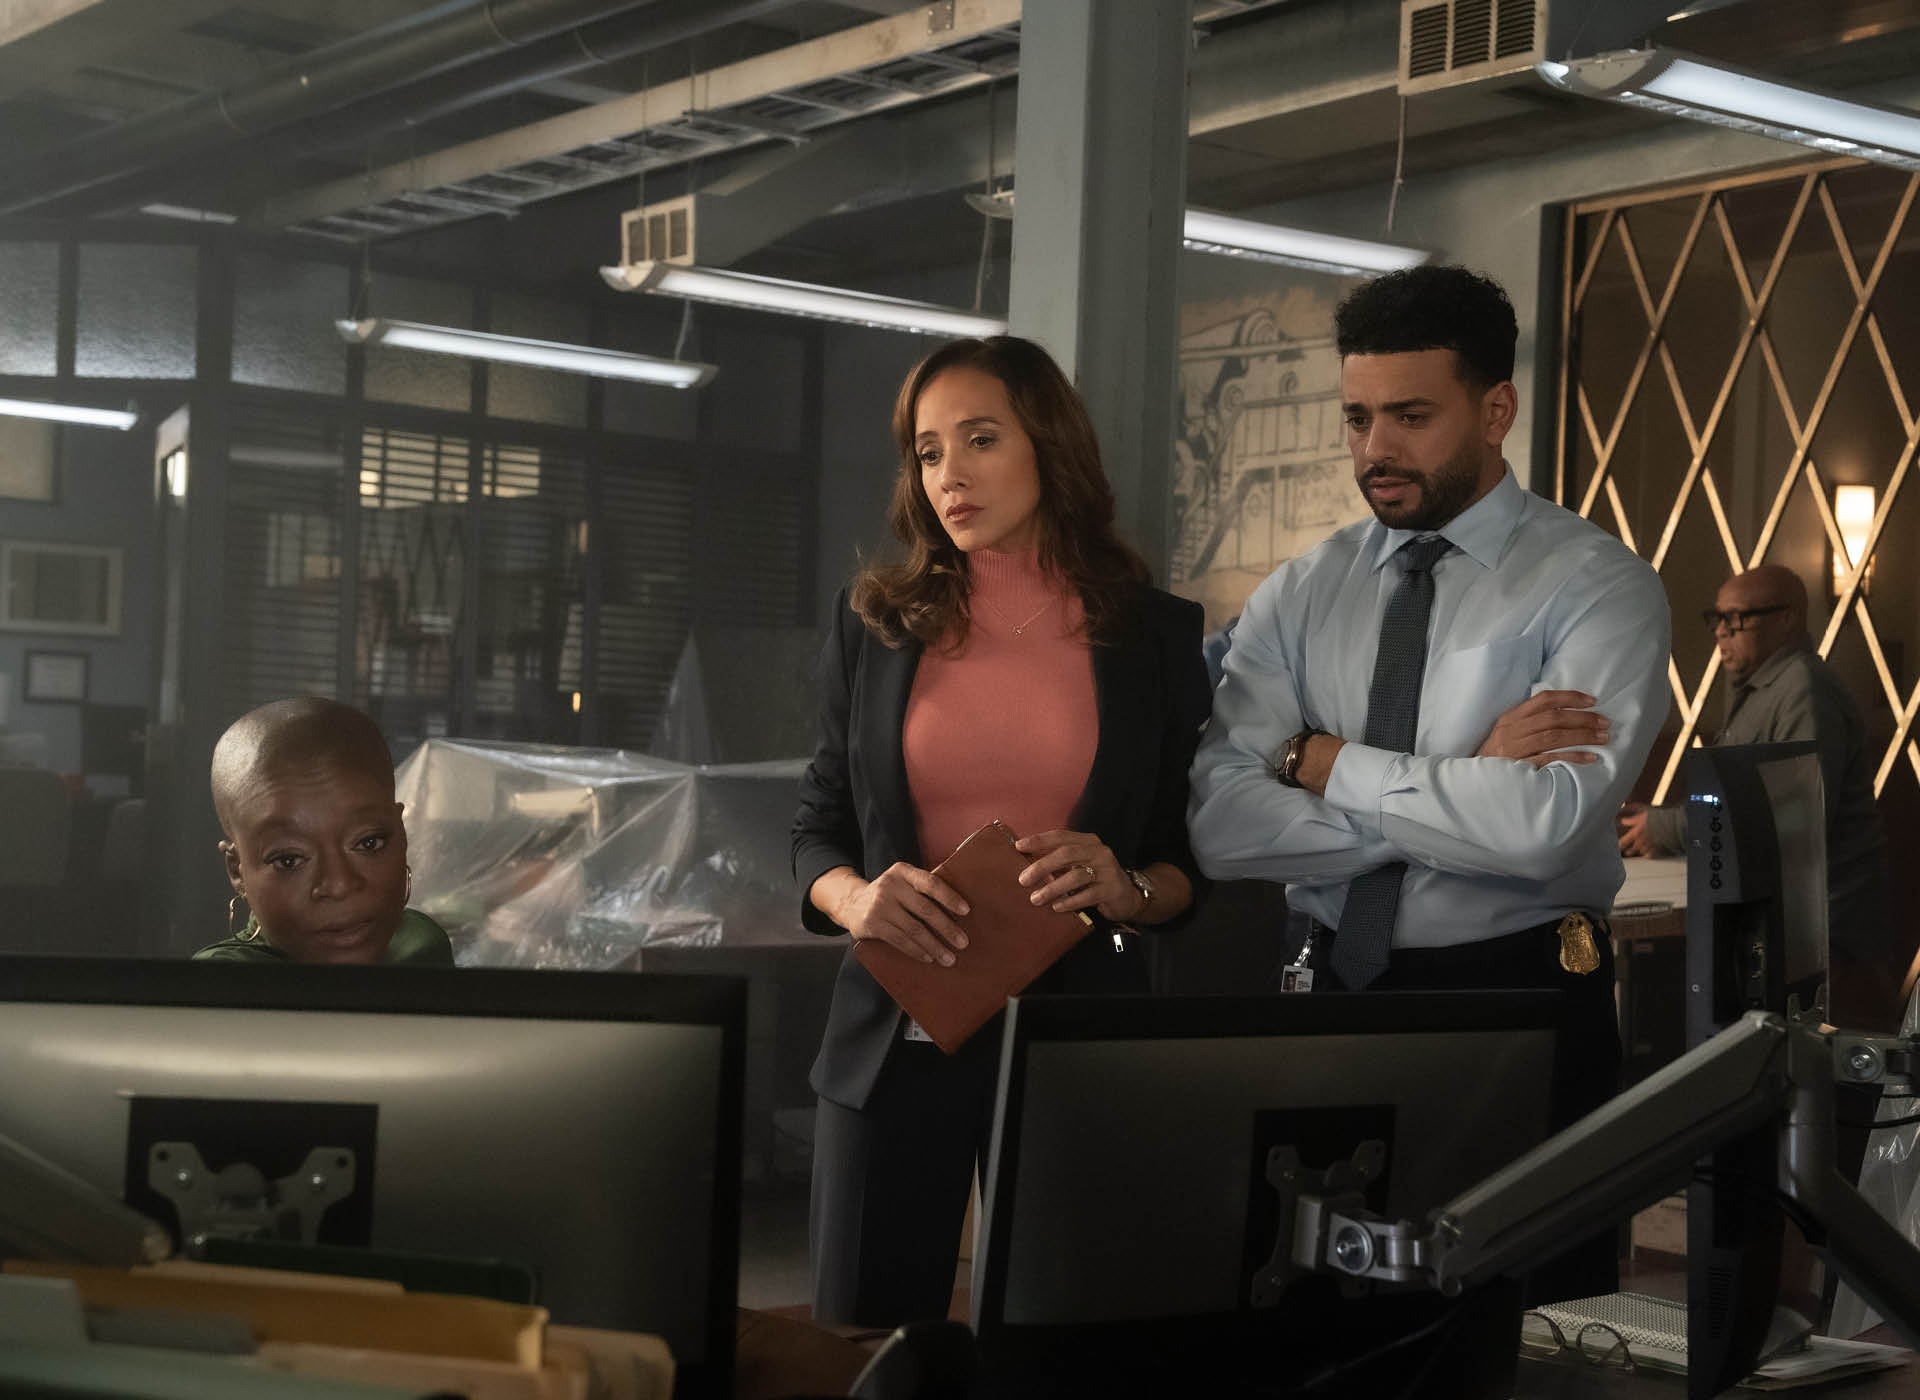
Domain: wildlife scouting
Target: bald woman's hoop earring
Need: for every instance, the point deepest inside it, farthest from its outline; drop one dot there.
(250, 931)
(407, 898)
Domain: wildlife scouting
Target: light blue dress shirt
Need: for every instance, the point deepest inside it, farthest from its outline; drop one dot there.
(1531, 598)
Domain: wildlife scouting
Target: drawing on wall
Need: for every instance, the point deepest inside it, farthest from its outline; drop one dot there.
(1261, 472)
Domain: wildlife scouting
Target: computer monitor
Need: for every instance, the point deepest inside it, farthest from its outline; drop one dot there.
(1129, 1210)
(1756, 941)
(1756, 883)
(584, 1125)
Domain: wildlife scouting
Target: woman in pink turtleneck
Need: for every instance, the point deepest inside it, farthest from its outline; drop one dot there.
(1015, 665)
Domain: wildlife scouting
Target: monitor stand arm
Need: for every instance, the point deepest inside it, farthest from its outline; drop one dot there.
(46, 1212)
(1875, 1257)
(1637, 1148)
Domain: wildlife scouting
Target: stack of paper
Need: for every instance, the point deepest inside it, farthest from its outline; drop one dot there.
(221, 1321)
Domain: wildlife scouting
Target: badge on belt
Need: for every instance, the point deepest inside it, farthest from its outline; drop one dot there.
(1297, 976)
(1578, 952)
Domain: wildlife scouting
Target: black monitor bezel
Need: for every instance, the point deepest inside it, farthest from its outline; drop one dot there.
(674, 998)
(1081, 1018)
(1735, 1230)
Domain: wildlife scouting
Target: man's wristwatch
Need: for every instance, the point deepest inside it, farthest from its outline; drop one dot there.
(1142, 884)
(1287, 770)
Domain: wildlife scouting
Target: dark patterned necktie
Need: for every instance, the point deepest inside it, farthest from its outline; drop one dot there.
(1393, 713)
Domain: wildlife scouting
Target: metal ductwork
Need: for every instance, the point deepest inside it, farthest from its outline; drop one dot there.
(406, 51)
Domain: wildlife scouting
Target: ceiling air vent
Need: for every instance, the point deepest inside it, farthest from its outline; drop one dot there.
(1448, 44)
(660, 232)
(1473, 31)
(1426, 41)
(1516, 31)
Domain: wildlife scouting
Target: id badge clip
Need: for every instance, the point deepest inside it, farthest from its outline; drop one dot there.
(1297, 976)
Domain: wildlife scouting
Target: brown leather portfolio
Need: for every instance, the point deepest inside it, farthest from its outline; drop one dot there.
(1010, 941)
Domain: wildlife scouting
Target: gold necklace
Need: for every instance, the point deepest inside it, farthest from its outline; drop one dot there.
(1020, 628)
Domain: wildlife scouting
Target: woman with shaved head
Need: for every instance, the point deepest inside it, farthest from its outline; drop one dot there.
(314, 841)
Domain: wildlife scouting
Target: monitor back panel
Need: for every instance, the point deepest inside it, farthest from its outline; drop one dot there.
(602, 1153)
(1129, 1174)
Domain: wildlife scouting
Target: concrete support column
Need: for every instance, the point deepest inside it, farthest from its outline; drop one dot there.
(1100, 176)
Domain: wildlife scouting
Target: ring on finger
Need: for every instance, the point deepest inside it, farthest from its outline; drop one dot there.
(1093, 875)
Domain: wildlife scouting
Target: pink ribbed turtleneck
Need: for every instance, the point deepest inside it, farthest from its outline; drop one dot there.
(1006, 726)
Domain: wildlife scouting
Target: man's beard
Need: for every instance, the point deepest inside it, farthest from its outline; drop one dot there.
(1444, 492)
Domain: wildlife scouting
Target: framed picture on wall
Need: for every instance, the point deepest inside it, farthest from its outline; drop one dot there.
(55, 678)
(72, 589)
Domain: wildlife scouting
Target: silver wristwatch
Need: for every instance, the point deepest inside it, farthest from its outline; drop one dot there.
(1142, 884)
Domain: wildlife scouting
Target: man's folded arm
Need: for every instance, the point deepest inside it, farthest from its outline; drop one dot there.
(1504, 817)
(1243, 823)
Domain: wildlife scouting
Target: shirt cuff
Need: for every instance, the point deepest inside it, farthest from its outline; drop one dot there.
(1358, 779)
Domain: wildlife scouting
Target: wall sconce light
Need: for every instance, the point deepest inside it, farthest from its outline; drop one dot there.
(175, 468)
(1853, 508)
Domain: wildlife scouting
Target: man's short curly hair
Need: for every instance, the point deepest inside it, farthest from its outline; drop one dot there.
(1432, 308)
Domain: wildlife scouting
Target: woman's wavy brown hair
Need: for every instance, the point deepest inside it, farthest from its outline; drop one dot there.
(924, 596)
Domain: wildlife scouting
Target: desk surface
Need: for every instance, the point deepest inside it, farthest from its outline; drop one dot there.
(1654, 880)
(1561, 1379)
(1566, 1378)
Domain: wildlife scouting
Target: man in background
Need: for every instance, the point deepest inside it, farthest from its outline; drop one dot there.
(1780, 691)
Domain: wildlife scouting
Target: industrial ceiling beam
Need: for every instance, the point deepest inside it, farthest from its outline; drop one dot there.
(404, 51)
(833, 55)
(45, 39)
(1321, 54)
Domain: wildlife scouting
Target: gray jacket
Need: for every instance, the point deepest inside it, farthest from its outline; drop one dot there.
(1794, 695)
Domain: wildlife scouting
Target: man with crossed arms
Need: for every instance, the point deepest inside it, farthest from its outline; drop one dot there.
(1436, 778)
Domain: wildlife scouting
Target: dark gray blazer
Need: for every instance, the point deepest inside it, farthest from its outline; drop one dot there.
(1791, 695)
(855, 808)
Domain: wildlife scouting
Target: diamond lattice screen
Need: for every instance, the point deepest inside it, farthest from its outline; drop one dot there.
(1735, 353)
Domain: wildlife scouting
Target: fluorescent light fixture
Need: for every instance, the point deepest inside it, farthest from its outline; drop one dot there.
(188, 214)
(1680, 85)
(798, 299)
(517, 350)
(1204, 231)
(1207, 232)
(121, 418)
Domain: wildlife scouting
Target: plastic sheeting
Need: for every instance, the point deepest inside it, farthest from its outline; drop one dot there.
(534, 855)
(1890, 1180)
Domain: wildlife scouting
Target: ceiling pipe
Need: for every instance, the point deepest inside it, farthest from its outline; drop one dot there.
(578, 50)
(583, 47)
(405, 51)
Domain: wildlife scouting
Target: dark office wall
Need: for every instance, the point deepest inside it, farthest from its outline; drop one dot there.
(861, 372)
(104, 496)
